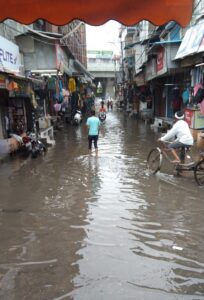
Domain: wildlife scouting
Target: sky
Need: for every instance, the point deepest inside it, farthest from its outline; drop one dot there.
(104, 37)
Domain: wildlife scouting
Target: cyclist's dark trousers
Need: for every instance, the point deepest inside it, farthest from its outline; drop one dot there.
(93, 138)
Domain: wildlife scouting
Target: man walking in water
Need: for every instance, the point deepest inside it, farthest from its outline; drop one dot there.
(93, 123)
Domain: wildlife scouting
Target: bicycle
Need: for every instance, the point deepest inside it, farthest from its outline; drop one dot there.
(155, 158)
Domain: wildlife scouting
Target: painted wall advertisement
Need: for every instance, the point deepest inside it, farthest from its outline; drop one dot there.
(9, 56)
(161, 62)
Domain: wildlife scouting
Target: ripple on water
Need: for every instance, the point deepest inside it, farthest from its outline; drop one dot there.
(127, 234)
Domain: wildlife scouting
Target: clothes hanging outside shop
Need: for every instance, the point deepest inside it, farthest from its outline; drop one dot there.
(186, 96)
(202, 107)
(57, 107)
(72, 85)
(197, 87)
(12, 86)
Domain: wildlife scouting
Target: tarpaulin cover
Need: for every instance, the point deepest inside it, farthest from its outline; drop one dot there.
(127, 12)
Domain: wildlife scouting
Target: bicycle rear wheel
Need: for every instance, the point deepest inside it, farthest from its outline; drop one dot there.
(199, 172)
(154, 160)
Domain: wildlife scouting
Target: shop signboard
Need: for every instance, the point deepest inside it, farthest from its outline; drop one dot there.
(189, 117)
(61, 60)
(9, 56)
(161, 62)
(194, 118)
(103, 54)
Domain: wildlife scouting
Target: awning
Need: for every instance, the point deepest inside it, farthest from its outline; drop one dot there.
(167, 42)
(82, 69)
(193, 41)
(162, 43)
(128, 12)
(129, 46)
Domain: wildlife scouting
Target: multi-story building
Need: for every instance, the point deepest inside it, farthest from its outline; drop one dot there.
(31, 54)
(74, 37)
(13, 84)
(169, 68)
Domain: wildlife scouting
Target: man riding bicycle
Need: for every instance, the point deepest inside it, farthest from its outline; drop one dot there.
(183, 135)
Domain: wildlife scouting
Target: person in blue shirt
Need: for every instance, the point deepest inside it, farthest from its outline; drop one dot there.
(93, 123)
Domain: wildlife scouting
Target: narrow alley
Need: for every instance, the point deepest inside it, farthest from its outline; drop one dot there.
(76, 226)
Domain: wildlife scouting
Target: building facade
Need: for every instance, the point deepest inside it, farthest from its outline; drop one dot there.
(168, 65)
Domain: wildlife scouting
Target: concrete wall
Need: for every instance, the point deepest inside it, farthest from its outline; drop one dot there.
(102, 67)
(10, 29)
(103, 74)
(37, 55)
(110, 88)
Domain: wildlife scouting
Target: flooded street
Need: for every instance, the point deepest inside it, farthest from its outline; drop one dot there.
(81, 227)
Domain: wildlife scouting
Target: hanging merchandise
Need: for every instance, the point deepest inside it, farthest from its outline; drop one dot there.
(64, 105)
(57, 89)
(65, 93)
(201, 104)
(16, 115)
(33, 100)
(60, 90)
(72, 85)
(12, 86)
(196, 88)
(185, 96)
(198, 93)
(51, 84)
(196, 76)
(57, 107)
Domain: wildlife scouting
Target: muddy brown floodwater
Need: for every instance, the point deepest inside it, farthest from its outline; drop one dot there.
(74, 226)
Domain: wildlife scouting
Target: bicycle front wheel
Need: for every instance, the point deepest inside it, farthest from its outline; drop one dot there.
(199, 172)
(154, 160)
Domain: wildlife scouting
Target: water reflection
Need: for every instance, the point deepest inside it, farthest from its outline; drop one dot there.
(87, 227)
(138, 240)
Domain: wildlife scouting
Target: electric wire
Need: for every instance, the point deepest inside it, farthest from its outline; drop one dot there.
(83, 45)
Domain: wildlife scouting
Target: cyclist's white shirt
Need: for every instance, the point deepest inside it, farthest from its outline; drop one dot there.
(182, 132)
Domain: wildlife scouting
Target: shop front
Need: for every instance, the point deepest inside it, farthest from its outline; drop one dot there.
(15, 109)
(191, 52)
(9, 63)
(194, 111)
(3, 99)
(20, 105)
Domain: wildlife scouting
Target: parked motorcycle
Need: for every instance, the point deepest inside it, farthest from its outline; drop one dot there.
(30, 144)
(77, 118)
(37, 147)
(26, 147)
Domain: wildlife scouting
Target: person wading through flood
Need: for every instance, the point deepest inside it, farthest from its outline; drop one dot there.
(102, 107)
(93, 123)
(102, 112)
